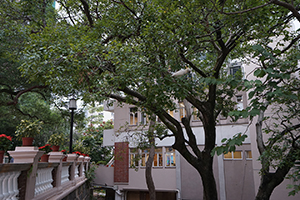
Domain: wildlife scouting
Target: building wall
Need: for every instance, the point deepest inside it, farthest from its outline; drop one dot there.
(239, 176)
(236, 179)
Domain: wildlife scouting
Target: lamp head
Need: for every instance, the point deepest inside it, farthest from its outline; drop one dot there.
(72, 104)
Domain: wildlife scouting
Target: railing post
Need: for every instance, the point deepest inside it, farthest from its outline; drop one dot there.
(56, 157)
(28, 154)
(72, 158)
(87, 162)
(80, 160)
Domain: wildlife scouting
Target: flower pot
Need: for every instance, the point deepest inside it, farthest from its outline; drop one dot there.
(44, 158)
(27, 141)
(1, 156)
(55, 148)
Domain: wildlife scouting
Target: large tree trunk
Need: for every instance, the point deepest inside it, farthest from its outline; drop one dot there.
(206, 166)
(202, 161)
(208, 179)
(269, 181)
(266, 187)
(148, 172)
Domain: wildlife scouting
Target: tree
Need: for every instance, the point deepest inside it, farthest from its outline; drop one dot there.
(276, 91)
(89, 139)
(128, 50)
(90, 142)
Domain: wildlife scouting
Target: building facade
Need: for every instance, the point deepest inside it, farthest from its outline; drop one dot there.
(236, 173)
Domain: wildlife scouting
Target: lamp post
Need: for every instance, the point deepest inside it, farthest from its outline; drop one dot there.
(72, 107)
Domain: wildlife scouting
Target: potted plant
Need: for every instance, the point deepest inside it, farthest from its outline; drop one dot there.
(5, 142)
(27, 130)
(47, 148)
(56, 140)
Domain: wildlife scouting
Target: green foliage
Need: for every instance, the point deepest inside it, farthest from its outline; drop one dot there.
(129, 51)
(28, 128)
(90, 142)
(230, 144)
(57, 139)
(90, 174)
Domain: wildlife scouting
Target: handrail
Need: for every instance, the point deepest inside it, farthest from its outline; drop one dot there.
(37, 180)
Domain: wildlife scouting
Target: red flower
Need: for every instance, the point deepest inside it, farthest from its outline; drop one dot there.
(47, 148)
(5, 142)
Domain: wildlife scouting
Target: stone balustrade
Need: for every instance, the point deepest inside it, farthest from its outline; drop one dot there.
(29, 179)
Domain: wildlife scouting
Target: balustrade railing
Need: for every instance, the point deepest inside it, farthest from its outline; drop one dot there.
(43, 180)
(38, 180)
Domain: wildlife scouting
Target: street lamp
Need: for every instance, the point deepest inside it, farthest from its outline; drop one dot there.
(72, 107)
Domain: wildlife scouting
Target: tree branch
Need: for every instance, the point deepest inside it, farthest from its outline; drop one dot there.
(87, 12)
(288, 6)
(248, 10)
(192, 139)
(15, 100)
(259, 136)
(184, 59)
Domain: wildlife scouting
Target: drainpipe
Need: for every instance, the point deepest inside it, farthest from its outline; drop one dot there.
(178, 194)
(118, 193)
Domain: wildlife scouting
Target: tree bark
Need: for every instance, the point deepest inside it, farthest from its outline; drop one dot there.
(148, 172)
(269, 181)
(202, 161)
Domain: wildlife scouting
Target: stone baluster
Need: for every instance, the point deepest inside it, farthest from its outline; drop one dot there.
(44, 180)
(2, 176)
(9, 185)
(5, 185)
(15, 190)
(76, 172)
(64, 174)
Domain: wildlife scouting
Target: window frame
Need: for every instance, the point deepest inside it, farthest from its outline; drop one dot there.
(246, 155)
(169, 153)
(157, 156)
(181, 109)
(232, 155)
(134, 114)
(135, 155)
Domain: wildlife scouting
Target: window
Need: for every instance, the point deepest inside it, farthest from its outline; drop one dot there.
(133, 116)
(237, 155)
(248, 155)
(239, 100)
(170, 157)
(195, 114)
(144, 118)
(181, 110)
(234, 69)
(157, 161)
(134, 158)
(145, 155)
